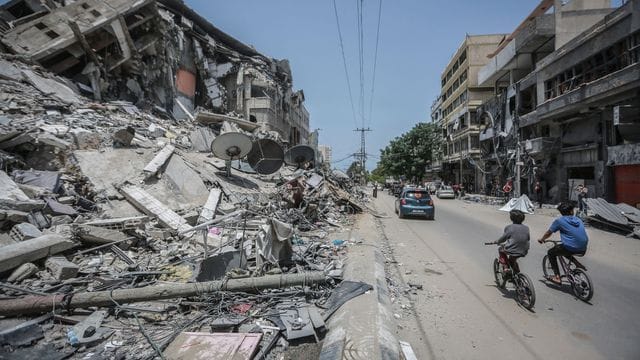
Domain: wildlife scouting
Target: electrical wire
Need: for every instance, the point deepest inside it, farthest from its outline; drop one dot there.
(375, 63)
(344, 62)
(360, 6)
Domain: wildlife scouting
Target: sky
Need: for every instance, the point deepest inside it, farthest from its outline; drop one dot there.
(417, 40)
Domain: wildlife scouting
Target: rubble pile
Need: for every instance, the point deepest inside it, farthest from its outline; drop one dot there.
(123, 237)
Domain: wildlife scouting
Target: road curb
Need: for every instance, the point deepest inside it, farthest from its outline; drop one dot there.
(363, 327)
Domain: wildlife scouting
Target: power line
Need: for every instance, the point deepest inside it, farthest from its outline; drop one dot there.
(360, 5)
(375, 63)
(344, 62)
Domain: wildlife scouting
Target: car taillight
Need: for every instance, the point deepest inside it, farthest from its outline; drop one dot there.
(403, 202)
(430, 202)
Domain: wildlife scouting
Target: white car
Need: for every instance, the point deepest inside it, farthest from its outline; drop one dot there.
(445, 192)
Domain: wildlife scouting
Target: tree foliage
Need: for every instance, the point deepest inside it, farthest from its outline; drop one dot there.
(409, 154)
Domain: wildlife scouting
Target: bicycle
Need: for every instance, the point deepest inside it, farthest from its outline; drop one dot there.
(573, 271)
(504, 272)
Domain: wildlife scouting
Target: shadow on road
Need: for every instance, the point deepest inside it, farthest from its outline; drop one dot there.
(564, 287)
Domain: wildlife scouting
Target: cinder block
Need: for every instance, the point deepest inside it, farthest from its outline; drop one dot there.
(61, 268)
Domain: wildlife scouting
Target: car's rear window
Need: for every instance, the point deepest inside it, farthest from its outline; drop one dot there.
(416, 195)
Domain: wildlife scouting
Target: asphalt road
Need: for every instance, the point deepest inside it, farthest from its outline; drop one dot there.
(461, 314)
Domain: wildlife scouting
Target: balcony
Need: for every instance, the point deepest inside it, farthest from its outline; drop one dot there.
(539, 145)
(517, 53)
(258, 103)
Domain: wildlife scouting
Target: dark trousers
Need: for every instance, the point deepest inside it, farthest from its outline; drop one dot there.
(554, 252)
(511, 260)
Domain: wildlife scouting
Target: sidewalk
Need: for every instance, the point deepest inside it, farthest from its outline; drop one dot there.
(362, 328)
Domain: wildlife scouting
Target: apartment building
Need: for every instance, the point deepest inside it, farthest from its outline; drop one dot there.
(572, 105)
(460, 96)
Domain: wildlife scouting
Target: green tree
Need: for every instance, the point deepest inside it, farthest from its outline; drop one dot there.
(408, 154)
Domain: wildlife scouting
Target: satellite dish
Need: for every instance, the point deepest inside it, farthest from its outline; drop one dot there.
(266, 156)
(231, 146)
(298, 155)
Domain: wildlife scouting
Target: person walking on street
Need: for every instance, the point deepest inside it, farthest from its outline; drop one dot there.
(537, 189)
(375, 190)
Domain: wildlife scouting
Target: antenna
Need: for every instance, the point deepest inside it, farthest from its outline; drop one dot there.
(231, 146)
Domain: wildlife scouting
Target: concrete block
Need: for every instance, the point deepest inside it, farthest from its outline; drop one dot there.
(124, 136)
(26, 251)
(24, 231)
(61, 268)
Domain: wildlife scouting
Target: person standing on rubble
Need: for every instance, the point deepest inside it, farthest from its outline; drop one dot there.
(375, 190)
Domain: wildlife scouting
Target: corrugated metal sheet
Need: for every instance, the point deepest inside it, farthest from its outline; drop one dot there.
(630, 212)
(607, 211)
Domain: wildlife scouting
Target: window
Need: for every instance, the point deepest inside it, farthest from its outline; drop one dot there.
(52, 34)
(95, 13)
(462, 57)
(84, 6)
(40, 26)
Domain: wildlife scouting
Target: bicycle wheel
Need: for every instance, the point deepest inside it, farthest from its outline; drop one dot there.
(581, 285)
(497, 274)
(525, 293)
(547, 270)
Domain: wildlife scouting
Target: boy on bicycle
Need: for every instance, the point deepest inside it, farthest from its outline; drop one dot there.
(514, 240)
(573, 238)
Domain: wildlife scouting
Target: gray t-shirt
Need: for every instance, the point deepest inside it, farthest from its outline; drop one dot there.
(516, 239)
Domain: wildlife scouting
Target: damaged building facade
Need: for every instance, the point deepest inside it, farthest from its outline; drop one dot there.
(455, 110)
(159, 55)
(567, 102)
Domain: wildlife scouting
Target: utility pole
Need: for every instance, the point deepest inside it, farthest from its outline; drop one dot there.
(362, 155)
(516, 185)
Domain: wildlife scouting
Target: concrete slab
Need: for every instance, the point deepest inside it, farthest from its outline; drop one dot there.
(186, 181)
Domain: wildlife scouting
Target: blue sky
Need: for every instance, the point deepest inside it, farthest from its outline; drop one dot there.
(417, 39)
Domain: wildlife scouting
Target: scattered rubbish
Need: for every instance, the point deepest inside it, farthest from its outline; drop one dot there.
(119, 222)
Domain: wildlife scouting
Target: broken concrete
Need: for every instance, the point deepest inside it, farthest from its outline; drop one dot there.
(61, 268)
(15, 255)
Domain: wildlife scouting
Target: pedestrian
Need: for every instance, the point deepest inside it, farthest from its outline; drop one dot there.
(537, 189)
(583, 193)
(455, 190)
(506, 189)
(375, 190)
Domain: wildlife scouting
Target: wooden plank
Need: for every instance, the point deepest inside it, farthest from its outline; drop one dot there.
(15, 255)
(209, 209)
(153, 207)
(159, 160)
(9, 190)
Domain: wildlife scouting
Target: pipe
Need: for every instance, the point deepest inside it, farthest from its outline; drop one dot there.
(42, 304)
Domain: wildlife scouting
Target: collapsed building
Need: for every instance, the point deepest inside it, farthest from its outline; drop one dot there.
(567, 102)
(159, 55)
(115, 213)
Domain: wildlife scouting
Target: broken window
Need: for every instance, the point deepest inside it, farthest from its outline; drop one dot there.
(40, 26)
(607, 61)
(95, 13)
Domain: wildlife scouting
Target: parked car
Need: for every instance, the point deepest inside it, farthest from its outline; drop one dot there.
(445, 192)
(397, 190)
(415, 202)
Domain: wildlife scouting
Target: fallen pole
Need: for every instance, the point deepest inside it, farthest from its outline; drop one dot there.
(41, 304)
